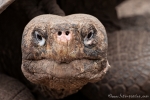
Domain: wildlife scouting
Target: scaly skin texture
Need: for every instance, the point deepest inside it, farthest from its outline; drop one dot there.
(12, 89)
(62, 67)
(133, 46)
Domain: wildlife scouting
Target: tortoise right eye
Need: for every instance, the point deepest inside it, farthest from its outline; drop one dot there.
(39, 38)
(90, 34)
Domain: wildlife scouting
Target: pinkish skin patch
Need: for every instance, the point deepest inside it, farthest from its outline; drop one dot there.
(64, 38)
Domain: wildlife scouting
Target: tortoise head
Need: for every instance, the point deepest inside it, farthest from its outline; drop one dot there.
(62, 54)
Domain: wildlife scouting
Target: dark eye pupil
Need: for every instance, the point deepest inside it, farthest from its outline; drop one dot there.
(90, 35)
(39, 37)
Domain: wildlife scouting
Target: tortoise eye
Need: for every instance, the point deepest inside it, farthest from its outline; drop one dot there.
(39, 38)
(90, 34)
(88, 40)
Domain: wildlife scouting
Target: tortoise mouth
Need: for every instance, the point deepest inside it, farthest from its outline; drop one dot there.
(60, 70)
(43, 71)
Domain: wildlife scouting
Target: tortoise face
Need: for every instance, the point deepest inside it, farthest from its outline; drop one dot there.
(62, 54)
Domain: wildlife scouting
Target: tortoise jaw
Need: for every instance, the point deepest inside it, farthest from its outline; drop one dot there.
(69, 77)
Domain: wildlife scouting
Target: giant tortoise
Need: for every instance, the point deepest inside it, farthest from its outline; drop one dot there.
(58, 63)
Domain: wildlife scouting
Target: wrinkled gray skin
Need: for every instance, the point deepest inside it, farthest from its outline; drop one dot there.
(134, 78)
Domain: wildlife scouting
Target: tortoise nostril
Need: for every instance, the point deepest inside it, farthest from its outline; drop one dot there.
(59, 33)
(67, 32)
